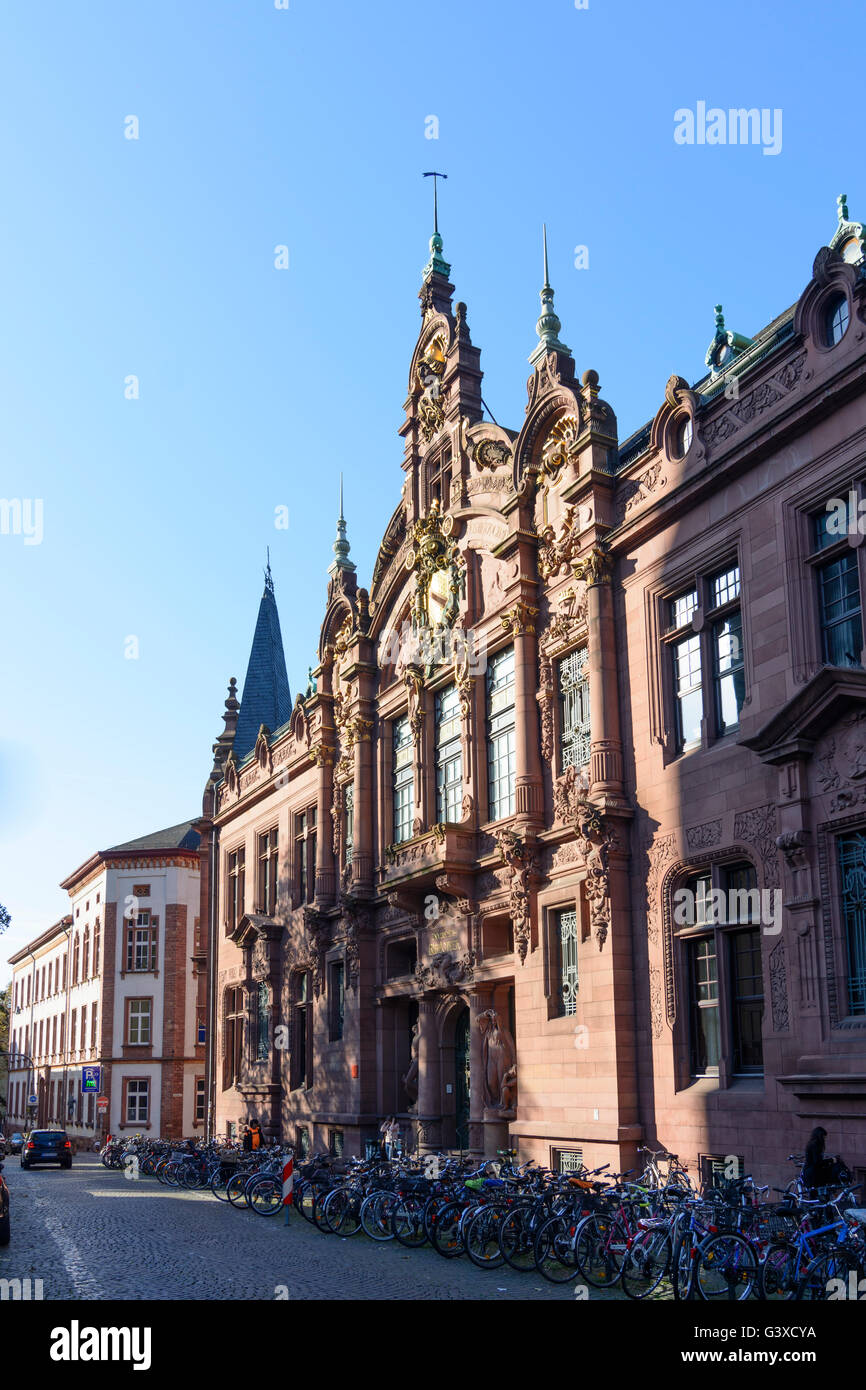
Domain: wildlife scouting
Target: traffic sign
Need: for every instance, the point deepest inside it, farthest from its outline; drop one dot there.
(33, 1100)
(90, 1080)
(102, 1102)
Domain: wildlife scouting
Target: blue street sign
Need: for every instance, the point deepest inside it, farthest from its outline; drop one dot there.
(33, 1100)
(90, 1080)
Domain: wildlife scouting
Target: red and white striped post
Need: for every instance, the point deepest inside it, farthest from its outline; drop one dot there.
(288, 1184)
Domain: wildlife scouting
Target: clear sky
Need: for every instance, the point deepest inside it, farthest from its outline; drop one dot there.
(307, 127)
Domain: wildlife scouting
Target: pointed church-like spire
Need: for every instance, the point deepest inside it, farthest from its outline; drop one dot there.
(341, 545)
(548, 325)
(437, 264)
(266, 697)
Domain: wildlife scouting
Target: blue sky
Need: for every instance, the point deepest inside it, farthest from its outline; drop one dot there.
(154, 257)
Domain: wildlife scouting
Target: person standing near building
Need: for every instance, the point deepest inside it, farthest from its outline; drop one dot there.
(818, 1169)
(246, 1139)
(258, 1141)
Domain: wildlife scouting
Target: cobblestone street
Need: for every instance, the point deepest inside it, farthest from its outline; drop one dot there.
(91, 1234)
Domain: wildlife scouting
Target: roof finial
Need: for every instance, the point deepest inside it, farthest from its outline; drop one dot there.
(842, 210)
(720, 319)
(437, 265)
(548, 325)
(269, 582)
(341, 545)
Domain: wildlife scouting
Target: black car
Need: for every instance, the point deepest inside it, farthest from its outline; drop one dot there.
(4, 1210)
(46, 1146)
(16, 1143)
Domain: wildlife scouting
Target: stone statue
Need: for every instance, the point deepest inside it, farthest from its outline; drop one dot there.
(410, 1080)
(508, 1108)
(498, 1062)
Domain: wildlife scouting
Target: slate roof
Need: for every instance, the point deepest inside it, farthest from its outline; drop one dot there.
(266, 697)
(175, 837)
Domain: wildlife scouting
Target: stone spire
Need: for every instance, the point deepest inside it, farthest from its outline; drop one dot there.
(341, 545)
(266, 696)
(225, 740)
(548, 325)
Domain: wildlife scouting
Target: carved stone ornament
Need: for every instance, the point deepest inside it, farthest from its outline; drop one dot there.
(520, 618)
(595, 839)
(560, 446)
(431, 369)
(595, 568)
(439, 571)
(491, 453)
(558, 549)
(445, 971)
(318, 934)
(521, 862)
(757, 827)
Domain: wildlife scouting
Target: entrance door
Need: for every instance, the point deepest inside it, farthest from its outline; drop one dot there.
(461, 1080)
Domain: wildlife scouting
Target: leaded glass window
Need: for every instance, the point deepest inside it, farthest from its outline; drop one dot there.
(574, 708)
(262, 1029)
(404, 780)
(501, 754)
(449, 757)
(349, 843)
(568, 962)
(852, 869)
(841, 620)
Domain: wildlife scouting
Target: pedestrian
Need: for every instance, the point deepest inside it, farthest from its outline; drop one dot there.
(258, 1140)
(247, 1139)
(390, 1132)
(819, 1170)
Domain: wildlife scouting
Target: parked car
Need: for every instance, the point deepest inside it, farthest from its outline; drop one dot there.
(4, 1210)
(16, 1143)
(46, 1146)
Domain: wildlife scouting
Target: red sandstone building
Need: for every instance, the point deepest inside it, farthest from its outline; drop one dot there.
(566, 842)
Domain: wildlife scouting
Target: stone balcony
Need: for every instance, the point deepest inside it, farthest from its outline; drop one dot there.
(444, 852)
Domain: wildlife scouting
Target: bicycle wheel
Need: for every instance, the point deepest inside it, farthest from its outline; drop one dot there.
(340, 1212)
(516, 1238)
(236, 1189)
(727, 1267)
(305, 1200)
(646, 1262)
(266, 1196)
(780, 1273)
(376, 1215)
(599, 1247)
(446, 1238)
(407, 1221)
(831, 1276)
(481, 1238)
(553, 1250)
(318, 1213)
(218, 1185)
(683, 1267)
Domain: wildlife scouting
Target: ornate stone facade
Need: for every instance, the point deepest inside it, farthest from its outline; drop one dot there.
(454, 817)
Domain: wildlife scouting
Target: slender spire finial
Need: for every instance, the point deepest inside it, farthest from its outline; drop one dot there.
(341, 545)
(548, 325)
(437, 263)
(269, 582)
(842, 210)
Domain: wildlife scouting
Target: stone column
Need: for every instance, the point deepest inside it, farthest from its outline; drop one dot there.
(325, 869)
(606, 741)
(362, 850)
(429, 1080)
(528, 787)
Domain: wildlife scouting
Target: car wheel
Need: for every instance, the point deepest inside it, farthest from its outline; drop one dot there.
(5, 1231)
(23, 1164)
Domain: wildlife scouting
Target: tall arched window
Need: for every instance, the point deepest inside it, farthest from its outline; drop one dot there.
(262, 1022)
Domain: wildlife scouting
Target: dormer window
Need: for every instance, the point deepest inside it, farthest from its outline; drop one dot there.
(836, 319)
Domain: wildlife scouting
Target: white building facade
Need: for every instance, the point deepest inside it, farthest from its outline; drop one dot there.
(107, 1032)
